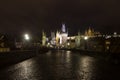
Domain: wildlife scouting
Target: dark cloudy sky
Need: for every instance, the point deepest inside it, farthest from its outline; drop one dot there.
(19, 16)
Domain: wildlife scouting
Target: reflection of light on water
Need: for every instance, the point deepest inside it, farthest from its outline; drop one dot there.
(48, 53)
(86, 68)
(85, 61)
(68, 56)
(25, 70)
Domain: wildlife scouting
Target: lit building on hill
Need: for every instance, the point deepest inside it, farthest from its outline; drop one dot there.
(91, 33)
(60, 39)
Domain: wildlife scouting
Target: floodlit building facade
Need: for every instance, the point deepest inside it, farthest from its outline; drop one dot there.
(60, 39)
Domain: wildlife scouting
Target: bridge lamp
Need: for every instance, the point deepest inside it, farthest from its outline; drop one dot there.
(68, 44)
(27, 37)
(85, 38)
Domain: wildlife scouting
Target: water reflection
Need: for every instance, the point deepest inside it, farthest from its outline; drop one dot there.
(86, 68)
(68, 56)
(57, 65)
(48, 53)
(24, 71)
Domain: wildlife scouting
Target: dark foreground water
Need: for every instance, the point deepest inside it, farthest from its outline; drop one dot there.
(62, 65)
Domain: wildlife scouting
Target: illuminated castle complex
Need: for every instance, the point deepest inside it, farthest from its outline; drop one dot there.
(91, 33)
(61, 38)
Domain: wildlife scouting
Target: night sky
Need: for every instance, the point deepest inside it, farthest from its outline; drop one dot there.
(33, 16)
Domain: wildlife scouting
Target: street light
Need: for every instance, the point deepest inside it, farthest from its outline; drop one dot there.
(86, 38)
(86, 42)
(26, 36)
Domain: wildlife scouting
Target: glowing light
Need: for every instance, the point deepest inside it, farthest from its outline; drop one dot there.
(26, 37)
(108, 37)
(86, 38)
(72, 38)
(68, 37)
(68, 44)
(115, 33)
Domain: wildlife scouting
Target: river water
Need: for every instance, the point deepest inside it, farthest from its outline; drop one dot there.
(62, 65)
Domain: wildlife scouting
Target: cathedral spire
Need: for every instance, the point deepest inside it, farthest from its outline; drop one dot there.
(63, 28)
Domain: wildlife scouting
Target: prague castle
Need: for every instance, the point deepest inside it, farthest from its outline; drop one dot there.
(61, 38)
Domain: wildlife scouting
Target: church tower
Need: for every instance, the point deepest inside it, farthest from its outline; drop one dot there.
(57, 38)
(89, 32)
(63, 28)
(43, 38)
(64, 35)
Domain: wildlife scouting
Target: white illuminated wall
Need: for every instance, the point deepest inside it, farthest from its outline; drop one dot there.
(64, 37)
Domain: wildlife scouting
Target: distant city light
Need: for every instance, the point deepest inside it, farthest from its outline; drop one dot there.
(68, 37)
(72, 38)
(68, 43)
(108, 37)
(26, 36)
(48, 43)
(86, 38)
(115, 33)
